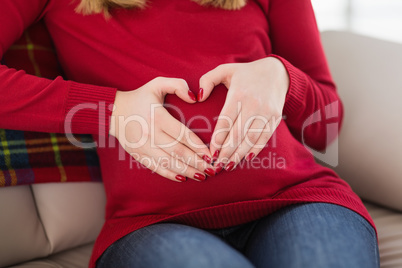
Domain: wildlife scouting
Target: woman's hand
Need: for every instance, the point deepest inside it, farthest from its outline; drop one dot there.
(150, 134)
(252, 110)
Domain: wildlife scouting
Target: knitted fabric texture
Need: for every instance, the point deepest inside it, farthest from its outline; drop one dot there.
(34, 157)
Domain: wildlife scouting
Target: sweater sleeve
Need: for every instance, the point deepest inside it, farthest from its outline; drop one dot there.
(37, 104)
(312, 105)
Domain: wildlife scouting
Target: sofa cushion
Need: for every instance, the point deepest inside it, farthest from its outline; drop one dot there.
(22, 236)
(389, 228)
(73, 258)
(72, 214)
(368, 75)
(40, 220)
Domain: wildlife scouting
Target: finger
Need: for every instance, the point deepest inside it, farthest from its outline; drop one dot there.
(219, 75)
(181, 152)
(265, 136)
(180, 167)
(224, 124)
(176, 86)
(236, 136)
(250, 140)
(151, 164)
(184, 135)
(167, 166)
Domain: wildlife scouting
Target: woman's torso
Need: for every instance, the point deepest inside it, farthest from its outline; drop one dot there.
(175, 39)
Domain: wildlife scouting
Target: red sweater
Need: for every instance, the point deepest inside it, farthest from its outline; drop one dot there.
(180, 39)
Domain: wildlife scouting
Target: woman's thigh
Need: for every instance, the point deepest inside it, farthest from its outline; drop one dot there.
(313, 235)
(171, 245)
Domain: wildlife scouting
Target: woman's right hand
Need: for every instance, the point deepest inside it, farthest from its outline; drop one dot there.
(153, 137)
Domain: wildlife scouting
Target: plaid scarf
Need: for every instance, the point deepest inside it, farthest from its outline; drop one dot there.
(33, 157)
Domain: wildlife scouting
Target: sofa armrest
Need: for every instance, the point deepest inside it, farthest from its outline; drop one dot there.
(368, 74)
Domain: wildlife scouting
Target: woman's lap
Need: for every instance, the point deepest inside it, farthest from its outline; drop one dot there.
(313, 235)
(171, 245)
(305, 235)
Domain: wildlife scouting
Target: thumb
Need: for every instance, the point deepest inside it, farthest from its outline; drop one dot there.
(220, 75)
(176, 86)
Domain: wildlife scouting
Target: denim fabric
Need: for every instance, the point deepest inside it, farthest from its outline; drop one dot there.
(305, 235)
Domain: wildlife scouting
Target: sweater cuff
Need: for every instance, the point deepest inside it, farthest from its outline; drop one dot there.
(295, 97)
(88, 109)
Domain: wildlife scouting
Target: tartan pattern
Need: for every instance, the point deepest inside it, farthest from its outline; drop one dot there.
(34, 157)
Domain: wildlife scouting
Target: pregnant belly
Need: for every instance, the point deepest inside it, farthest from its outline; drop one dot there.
(135, 190)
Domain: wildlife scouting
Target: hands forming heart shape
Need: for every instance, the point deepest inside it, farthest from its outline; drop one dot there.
(152, 136)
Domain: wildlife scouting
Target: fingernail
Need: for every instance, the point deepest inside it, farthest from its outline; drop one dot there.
(200, 94)
(209, 172)
(192, 96)
(215, 156)
(230, 166)
(219, 167)
(199, 176)
(180, 178)
(250, 156)
(207, 159)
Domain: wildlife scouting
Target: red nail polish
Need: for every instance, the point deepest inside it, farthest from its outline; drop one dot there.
(180, 178)
(207, 159)
(209, 172)
(215, 156)
(199, 176)
(230, 166)
(200, 94)
(219, 167)
(250, 156)
(192, 96)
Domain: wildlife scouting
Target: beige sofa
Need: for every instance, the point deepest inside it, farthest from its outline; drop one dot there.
(54, 225)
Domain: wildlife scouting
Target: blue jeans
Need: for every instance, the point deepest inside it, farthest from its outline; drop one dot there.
(304, 235)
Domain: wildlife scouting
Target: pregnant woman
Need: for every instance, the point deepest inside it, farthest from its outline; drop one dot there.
(202, 111)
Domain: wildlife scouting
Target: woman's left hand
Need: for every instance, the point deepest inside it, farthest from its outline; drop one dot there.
(252, 110)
